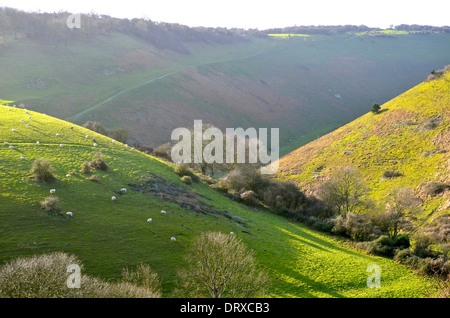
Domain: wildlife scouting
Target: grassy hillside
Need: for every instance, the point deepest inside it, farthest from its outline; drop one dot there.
(109, 235)
(306, 86)
(410, 135)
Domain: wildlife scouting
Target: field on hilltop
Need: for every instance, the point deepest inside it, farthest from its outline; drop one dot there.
(409, 136)
(108, 235)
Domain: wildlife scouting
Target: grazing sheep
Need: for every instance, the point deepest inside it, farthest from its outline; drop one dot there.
(57, 134)
(231, 233)
(69, 213)
(9, 108)
(6, 143)
(38, 142)
(29, 117)
(126, 145)
(22, 120)
(149, 220)
(163, 212)
(61, 145)
(14, 105)
(68, 175)
(113, 141)
(132, 148)
(95, 145)
(22, 157)
(87, 136)
(113, 198)
(52, 191)
(173, 239)
(26, 112)
(27, 125)
(13, 130)
(123, 190)
(12, 147)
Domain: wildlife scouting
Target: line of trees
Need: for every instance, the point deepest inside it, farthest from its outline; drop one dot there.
(51, 28)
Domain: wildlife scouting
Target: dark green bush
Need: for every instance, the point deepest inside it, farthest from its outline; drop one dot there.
(383, 246)
(86, 168)
(391, 174)
(402, 242)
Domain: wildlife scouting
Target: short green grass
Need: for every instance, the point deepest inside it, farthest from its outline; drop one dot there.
(109, 235)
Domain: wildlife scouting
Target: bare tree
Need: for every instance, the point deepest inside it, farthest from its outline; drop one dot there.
(344, 191)
(219, 265)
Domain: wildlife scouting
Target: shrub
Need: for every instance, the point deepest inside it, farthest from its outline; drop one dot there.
(357, 227)
(249, 197)
(389, 174)
(186, 180)
(86, 168)
(142, 276)
(183, 170)
(219, 265)
(422, 246)
(42, 171)
(52, 205)
(375, 108)
(45, 276)
(383, 246)
(94, 178)
(163, 151)
(435, 188)
(402, 242)
(95, 126)
(98, 163)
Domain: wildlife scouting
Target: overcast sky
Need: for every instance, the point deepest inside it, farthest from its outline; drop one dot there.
(259, 14)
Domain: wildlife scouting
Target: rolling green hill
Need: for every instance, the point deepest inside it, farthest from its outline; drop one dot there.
(306, 86)
(108, 235)
(409, 135)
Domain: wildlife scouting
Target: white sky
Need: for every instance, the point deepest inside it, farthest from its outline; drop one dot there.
(260, 14)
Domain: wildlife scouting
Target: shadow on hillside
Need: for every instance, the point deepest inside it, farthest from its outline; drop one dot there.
(381, 111)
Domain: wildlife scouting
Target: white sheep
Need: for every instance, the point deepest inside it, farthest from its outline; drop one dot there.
(13, 130)
(57, 134)
(37, 142)
(95, 145)
(68, 175)
(6, 143)
(163, 212)
(61, 145)
(87, 136)
(22, 120)
(12, 147)
(14, 105)
(9, 108)
(22, 157)
(126, 145)
(113, 141)
(29, 117)
(173, 239)
(132, 148)
(52, 191)
(69, 213)
(231, 233)
(27, 125)
(123, 190)
(149, 220)
(26, 112)
(113, 198)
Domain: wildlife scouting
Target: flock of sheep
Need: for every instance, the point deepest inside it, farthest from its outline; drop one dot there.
(53, 191)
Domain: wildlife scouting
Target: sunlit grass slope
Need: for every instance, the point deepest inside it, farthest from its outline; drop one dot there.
(410, 135)
(109, 235)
